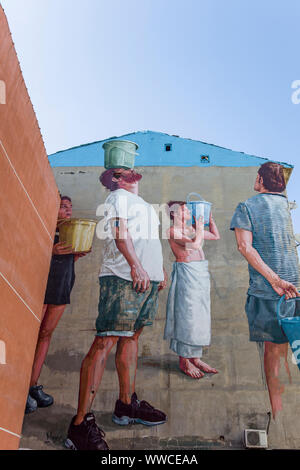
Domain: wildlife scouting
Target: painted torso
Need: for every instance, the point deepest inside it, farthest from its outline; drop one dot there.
(186, 253)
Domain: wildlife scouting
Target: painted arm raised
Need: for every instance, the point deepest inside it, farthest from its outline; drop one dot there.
(213, 232)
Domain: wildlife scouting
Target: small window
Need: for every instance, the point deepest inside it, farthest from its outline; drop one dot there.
(168, 147)
(204, 159)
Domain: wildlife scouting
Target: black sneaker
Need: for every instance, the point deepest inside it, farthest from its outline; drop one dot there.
(31, 405)
(42, 399)
(137, 412)
(86, 436)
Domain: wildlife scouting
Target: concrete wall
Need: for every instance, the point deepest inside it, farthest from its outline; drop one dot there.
(213, 411)
(29, 202)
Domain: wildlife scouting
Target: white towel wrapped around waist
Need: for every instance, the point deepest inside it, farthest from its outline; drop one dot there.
(188, 306)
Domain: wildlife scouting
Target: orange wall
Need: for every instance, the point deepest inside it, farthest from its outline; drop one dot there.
(29, 203)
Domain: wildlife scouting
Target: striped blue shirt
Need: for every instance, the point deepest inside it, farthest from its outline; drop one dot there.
(268, 217)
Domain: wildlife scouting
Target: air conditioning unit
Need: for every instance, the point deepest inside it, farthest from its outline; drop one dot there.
(256, 439)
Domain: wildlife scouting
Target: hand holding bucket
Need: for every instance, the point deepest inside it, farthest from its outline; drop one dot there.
(291, 328)
(78, 233)
(198, 208)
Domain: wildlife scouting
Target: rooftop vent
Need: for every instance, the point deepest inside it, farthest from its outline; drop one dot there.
(168, 147)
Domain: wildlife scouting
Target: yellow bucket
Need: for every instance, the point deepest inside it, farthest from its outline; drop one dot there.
(79, 233)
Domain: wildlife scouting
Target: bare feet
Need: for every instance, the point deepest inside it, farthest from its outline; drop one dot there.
(189, 369)
(203, 366)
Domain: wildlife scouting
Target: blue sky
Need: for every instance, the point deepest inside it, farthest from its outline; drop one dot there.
(215, 71)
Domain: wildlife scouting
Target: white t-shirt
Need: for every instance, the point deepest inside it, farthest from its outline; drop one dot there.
(143, 227)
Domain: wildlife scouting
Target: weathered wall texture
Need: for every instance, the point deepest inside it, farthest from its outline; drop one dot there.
(210, 412)
(28, 209)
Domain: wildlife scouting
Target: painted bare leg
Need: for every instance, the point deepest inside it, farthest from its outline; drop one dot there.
(189, 368)
(203, 366)
(126, 364)
(91, 373)
(51, 316)
(44, 310)
(273, 353)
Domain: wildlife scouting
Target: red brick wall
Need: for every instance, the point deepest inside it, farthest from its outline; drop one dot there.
(28, 209)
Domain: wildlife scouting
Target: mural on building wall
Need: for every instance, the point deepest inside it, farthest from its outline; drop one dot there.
(57, 296)
(188, 322)
(131, 277)
(133, 273)
(264, 235)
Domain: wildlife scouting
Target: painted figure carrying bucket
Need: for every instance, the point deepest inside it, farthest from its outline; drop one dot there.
(198, 208)
(291, 328)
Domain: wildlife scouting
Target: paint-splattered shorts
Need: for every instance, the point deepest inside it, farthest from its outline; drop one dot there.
(122, 309)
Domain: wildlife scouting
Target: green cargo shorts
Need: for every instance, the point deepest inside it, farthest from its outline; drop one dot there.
(123, 309)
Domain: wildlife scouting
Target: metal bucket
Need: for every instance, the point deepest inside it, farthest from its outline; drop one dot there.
(79, 233)
(198, 208)
(291, 328)
(119, 154)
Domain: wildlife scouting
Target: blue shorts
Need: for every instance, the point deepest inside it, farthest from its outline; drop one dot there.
(262, 318)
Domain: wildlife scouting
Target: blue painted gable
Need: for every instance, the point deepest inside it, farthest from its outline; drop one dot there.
(152, 152)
